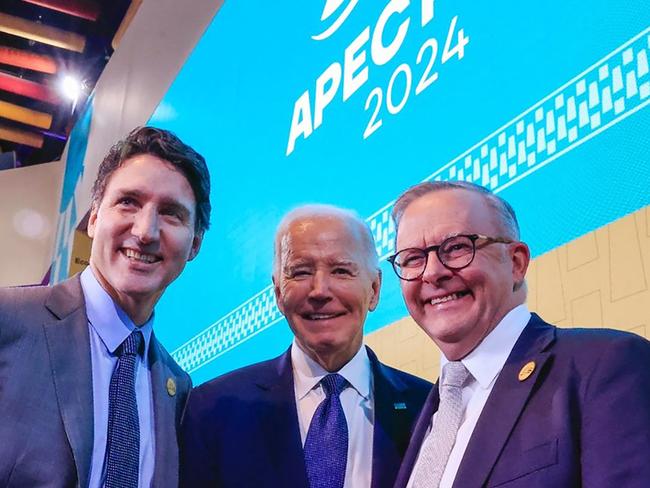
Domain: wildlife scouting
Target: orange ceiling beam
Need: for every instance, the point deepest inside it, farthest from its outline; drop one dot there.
(85, 9)
(27, 88)
(26, 116)
(17, 26)
(21, 136)
(26, 59)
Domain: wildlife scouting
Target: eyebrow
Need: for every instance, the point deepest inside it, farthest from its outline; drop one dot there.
(170, 203)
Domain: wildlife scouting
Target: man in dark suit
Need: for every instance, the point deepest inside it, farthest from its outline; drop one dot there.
(520, 403)
(326, 413)
(88, 396)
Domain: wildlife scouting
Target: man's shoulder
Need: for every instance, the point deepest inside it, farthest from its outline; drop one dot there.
(239, 381)
(19, 296)
(593, 343)
(23, 306)
(591, 337)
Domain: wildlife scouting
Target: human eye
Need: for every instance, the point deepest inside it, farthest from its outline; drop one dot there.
(343, 271)
(126, 201)
(410, 258)
(172, 214)
(456, 246)
(298, 272)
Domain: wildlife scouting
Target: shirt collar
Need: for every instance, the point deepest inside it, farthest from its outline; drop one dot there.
(487, 359)
(108, 319)
(307, 373)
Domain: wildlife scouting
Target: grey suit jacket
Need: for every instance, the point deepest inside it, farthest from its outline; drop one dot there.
(46, 398)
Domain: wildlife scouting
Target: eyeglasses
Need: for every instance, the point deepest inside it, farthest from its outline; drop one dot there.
(456, 252)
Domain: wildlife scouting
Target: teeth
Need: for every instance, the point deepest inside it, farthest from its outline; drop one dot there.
(145, 258)
(321, 316)
(446, 298)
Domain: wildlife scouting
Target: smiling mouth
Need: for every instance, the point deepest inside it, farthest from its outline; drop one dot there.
(321, 316)
(449, 298)
(134, 255)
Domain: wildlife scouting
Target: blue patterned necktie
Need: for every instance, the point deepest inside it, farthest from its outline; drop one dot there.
(123, 442)
(326, 445)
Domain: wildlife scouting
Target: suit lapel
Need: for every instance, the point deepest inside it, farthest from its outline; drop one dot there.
(279, 423)
(164, 405)
(505, 404)
(393, 416)
(419, 432)
(68, 344)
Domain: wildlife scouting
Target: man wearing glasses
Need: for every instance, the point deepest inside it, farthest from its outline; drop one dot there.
(520, 402)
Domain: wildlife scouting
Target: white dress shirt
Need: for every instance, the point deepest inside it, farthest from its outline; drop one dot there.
(358, 405)
(484, 364)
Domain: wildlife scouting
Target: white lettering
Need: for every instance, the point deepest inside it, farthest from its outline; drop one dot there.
(300, 122)
(352, 80)
(383, 54)
(331, 76)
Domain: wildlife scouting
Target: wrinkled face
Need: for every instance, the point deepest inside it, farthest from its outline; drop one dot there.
(143, 231)
(457, 309)
(324, 287)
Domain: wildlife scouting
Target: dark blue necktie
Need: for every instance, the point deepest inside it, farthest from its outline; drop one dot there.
(123, 442)
(326, 445)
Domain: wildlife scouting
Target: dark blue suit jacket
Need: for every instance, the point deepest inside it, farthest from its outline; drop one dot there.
(241, 429)
(581, 419)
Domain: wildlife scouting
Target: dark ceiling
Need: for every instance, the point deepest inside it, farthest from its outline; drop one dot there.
(88, 26)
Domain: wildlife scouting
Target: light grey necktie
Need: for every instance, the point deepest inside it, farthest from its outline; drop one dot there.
(438, 444)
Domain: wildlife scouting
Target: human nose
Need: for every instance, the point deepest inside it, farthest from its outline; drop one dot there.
(320, 287)
(434, 270)
(146, 227)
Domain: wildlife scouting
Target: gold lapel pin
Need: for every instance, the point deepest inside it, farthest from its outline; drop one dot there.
(171, 386)
(526, 371)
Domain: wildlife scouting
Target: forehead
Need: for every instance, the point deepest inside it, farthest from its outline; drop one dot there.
(153, 176)
(438, 214)
(321, 237)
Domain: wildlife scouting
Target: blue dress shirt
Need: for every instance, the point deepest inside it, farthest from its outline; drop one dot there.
(109, 326)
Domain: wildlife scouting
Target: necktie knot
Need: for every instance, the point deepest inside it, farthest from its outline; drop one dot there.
(333, 384)
(455, 374)
(131, 345)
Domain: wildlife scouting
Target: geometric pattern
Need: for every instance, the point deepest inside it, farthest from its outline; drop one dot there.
(243, 323)
(604, 94)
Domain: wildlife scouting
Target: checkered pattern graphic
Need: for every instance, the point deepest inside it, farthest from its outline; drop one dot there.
(247, 320)
(606, 93)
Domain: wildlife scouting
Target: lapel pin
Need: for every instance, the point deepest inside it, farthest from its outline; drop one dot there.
(171, 386)
(399, 406)
(526, 371)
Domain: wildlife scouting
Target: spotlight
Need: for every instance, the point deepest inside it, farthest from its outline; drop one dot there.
(71, 87)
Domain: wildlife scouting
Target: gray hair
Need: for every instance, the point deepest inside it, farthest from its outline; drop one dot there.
(502, 209)
(356, 224)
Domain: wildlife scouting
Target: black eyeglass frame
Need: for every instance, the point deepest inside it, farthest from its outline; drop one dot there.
(427, 250)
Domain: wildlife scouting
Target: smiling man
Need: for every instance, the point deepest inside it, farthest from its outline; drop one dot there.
(88, 396)
(327, 413)
(520, 403)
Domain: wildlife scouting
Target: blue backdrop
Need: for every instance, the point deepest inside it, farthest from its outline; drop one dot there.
(350, 101)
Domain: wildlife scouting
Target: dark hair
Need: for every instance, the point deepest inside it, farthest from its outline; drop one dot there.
(164, 145)
(503, 209)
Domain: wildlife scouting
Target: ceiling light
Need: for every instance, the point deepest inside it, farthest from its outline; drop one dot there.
(70, 87)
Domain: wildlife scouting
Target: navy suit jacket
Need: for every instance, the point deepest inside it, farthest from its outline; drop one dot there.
(241, 429)
(46, 395)
(582, 418)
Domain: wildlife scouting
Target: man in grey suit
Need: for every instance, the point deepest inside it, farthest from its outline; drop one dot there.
(88, 396)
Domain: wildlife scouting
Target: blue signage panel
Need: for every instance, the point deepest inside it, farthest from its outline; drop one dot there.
(349, 102)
